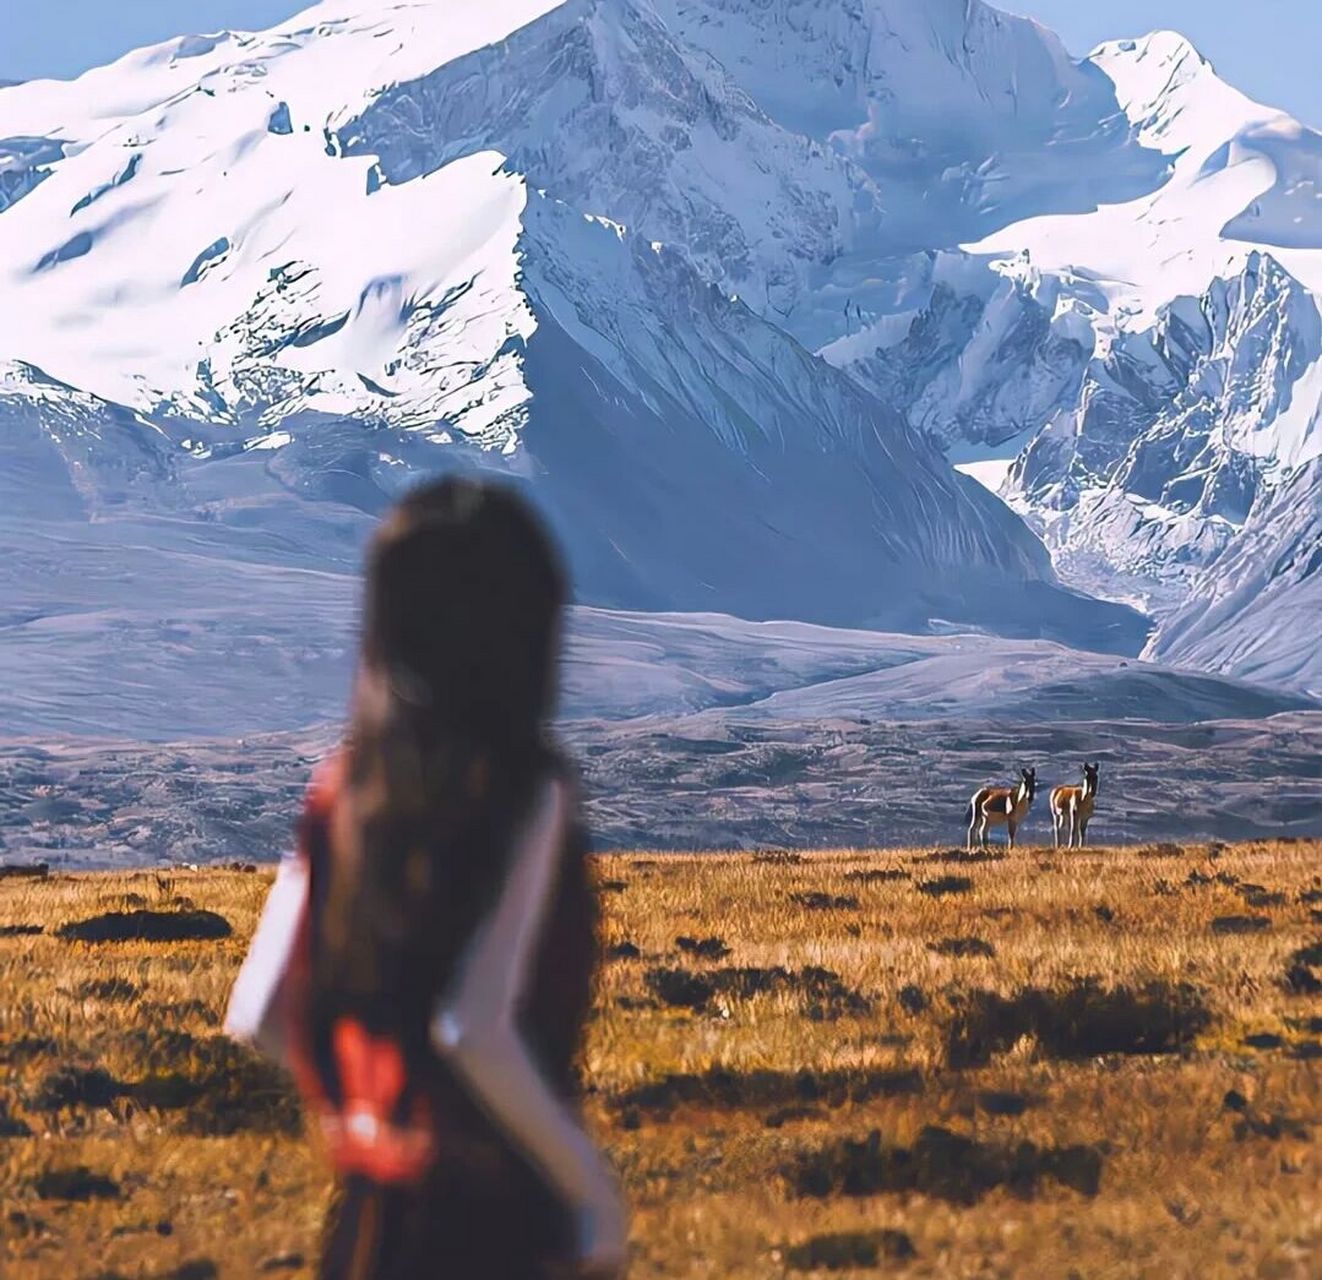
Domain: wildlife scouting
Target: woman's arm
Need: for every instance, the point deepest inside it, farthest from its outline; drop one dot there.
(475, 1029)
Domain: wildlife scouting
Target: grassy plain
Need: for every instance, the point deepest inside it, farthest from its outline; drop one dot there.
(1076, 1066)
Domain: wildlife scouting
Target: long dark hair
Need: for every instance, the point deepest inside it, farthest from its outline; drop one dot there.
(446, 747)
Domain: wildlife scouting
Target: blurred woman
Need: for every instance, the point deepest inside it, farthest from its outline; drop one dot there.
(441, 938)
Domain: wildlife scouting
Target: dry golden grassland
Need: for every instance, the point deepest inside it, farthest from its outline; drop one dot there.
(1089, 1064)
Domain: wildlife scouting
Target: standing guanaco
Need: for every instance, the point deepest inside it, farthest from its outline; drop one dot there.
(1071, 808)
(992, 806)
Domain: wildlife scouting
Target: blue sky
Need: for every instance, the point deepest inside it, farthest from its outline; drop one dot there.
(1268, 48)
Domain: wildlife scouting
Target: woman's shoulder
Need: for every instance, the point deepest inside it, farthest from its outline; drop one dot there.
(327, 781)
(323, 792)
(563, 769)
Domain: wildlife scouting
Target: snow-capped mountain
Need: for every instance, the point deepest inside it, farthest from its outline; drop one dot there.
(1257, 608)
(1155, 363)
(721, 278)
(263, 243)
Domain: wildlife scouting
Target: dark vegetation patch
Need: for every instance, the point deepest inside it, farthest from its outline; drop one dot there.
(1240, 924)
(1256, 895)
(962, 856)
(1307, 1050)
(825, 997)
(630, 1120)
(1162, 849)
(712, 948)
(777, 858)
(10, 1125)
(25, 1048)
(148, 926)
(1264, 1040)
(76, 1086)
(194, 1269)
(612, 886)
(878, 875)
(24, 871)
(1255, 1123)
(1301, 976)
(942, 1164)
(962, 948)
(788, 1115)
(221, 1087)
(944, 885)
(106, 989)
(818, 901)
(625, 950)
(632, 1004)
(1083, 1020)
(722, 1089)
(845, 1250)
(1104, 913)
(1311, 897)
(1197, 879)
(680, 988)
(912, 1000)
(21, 930)
(159, 1048)
(20, 1224)
(1004, 1102)
(181, 1011)
(77, 1183)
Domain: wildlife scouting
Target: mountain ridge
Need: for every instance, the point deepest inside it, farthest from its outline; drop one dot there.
(633, 216)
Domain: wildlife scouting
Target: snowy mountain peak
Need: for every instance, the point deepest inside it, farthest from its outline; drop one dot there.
(1166, 57)
(1172, 94)
(744, 257)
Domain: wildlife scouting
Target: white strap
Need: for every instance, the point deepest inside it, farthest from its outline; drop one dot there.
(252, 1015)
(475, 1029)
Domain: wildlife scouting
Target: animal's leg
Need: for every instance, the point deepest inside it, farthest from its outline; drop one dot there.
(973, 826)
(1083, 832)
(1010, 827)
(1055, 828)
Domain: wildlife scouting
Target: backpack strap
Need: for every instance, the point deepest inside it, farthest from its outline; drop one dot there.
(475, 1028)
(267, 995)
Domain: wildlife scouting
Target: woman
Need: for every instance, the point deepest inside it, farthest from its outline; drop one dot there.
(438, 952)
